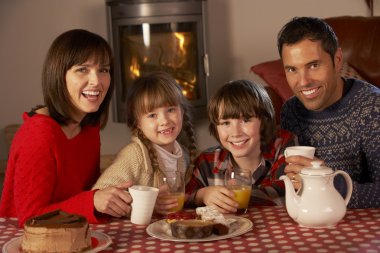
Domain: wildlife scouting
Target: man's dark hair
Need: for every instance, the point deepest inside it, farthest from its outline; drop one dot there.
(314, 29)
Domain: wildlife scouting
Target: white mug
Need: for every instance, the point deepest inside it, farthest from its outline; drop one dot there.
(144, 199)
(306, 151)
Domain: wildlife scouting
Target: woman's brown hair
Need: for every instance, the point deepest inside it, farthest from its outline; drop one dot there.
(71, 48)
(153, 90)
(242, 98)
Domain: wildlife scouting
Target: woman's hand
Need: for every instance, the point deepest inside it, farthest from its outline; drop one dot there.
(218, 196)
(114, 200)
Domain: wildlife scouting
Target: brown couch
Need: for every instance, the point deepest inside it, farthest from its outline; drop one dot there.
(359, 38)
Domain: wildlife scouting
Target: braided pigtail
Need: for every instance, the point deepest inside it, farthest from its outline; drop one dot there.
(191, 143)
(151, 150)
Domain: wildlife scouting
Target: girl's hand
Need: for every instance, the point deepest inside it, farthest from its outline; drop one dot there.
(114, 200)
(164, 202)
(218, 196)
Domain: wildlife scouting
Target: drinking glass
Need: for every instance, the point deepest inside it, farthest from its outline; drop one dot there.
(240, 182)
(176, 188)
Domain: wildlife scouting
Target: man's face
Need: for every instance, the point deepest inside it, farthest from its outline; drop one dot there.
(311, 74)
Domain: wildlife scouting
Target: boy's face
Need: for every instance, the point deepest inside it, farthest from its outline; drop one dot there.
(241, 137)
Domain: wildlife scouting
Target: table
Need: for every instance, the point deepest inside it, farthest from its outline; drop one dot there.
(273, 231)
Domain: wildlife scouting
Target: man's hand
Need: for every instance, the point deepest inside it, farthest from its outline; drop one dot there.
(294, 166)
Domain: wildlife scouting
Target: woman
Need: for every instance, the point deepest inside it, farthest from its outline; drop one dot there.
(54, 157)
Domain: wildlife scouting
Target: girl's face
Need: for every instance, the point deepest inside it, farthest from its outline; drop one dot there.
(162, 125)
(87, 85)
(241, 137)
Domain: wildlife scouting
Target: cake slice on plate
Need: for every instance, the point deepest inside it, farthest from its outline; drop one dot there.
(56, 231)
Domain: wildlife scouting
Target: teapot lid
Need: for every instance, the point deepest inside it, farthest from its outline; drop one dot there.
(317, 169)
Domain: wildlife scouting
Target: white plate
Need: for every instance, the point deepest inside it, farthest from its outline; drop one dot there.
(14, 245)
(161, 230)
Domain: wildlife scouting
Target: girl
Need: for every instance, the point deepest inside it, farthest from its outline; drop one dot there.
(157, 112)
(54, 157)
(242, 119)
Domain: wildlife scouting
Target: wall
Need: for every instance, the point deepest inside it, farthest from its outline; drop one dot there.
(240, 34)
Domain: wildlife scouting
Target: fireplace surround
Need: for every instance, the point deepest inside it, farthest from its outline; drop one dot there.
(167, 35)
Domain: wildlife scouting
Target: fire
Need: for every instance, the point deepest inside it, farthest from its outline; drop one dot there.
(134, 68)
(178, 43)
(181, 39)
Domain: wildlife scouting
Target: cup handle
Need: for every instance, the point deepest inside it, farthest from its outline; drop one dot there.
(348, 180)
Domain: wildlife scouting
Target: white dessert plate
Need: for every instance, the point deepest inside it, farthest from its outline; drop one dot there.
(161, 230)
(99, 240)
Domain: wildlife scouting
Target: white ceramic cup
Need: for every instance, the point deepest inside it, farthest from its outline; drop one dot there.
(305, 151)
(144, 199)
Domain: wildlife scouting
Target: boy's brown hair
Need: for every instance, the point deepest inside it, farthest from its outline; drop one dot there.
(242, 98)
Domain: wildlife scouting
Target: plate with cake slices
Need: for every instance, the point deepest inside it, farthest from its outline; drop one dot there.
(209, 225)
(99, 241)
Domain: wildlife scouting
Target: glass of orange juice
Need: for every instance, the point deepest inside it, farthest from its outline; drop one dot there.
(240, 182)
(176, 188)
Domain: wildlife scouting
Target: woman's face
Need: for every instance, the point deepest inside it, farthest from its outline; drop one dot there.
(87, 85)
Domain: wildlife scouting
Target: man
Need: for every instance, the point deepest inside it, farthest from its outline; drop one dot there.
(340, 117)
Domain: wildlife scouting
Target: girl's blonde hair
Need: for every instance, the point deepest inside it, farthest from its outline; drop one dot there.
(153, 90)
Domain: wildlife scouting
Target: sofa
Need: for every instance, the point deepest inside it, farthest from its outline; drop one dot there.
(359, 38)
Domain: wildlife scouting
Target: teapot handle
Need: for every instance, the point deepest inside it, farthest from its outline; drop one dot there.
(349, 185)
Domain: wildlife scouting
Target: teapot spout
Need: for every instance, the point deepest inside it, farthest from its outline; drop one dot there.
(292, 200)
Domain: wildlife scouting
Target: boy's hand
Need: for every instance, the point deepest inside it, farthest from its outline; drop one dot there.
(218, 196)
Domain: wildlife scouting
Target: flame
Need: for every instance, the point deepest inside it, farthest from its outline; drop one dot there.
(181, 39)
(177, 66)
(134, 68)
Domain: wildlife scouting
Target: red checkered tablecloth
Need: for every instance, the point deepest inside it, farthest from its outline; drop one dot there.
(273, 231)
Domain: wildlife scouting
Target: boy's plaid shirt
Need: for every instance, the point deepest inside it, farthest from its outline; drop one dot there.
(267, 189)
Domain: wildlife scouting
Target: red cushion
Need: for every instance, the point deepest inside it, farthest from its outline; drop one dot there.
(272, 72)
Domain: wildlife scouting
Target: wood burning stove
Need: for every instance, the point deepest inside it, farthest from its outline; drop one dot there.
(159, 35)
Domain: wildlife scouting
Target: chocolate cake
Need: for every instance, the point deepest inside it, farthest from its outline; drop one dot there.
(56, 231)
(191, 229)
(209, 221)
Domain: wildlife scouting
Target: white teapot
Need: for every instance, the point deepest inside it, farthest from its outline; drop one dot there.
(318, 203)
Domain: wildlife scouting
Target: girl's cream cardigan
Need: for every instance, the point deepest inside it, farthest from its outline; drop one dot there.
(133, 163)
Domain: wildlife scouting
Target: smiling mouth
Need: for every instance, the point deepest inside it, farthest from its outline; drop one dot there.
(238, 143)
(309, 92)
(166, 131)
(91, 94)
